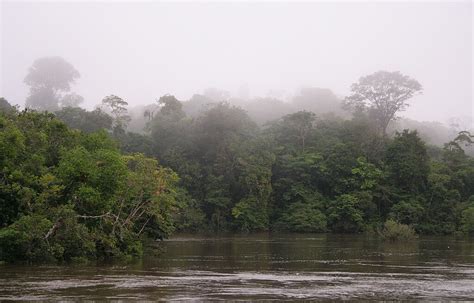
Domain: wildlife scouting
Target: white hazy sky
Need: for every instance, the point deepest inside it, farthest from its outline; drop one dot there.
(142, 50)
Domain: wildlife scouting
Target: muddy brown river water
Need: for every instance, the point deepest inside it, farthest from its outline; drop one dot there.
(262, 267)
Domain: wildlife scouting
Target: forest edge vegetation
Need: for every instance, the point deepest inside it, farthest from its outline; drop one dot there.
(76, 185)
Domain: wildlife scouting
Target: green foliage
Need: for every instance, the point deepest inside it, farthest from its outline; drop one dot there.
(219, 163)
(366, 174)
(25, 239)
(93, 190)
(135, 143)
(467, 220)
(382, 94)
(118, 109)
(408, 162)
(253, 170)
(408, 212)
(299, 175)
(83, 120)
(75, 196)
(394, 231)
(441, 202)
(466, 215)
(295, 129)
(189, 215)
(171, 106)
(344, 214)
(148, 199)
(250, 215)
(303, 217)
(339, 162)
(71, 100)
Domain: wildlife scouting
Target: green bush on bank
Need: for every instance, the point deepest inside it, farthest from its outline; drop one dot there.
(394, 231)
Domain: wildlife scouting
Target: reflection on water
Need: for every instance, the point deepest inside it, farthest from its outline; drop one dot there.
(263, 266)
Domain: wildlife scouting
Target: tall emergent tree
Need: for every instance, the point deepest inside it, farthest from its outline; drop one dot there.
(382, 95)
(118, 109)
(48, 78)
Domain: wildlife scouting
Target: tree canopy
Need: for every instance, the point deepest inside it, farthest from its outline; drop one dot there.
(77, 184)
(74, 195)
(383, 94)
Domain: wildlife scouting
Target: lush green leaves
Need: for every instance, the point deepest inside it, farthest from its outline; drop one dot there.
(75, 196)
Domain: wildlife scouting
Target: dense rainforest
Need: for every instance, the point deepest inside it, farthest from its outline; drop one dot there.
(75, 184)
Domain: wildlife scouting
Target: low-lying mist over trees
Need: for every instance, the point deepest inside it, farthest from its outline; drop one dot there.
(82, 184)
(123, 123)
(251, 50)
(52, 93)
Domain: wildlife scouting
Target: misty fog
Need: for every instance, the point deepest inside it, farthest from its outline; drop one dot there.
(236, 150)
(141, 51)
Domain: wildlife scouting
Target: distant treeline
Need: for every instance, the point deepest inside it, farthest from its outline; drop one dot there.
(89, 191)
(323, 102)
(76, 184)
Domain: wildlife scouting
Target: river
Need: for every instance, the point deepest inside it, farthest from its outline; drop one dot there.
(262, 267)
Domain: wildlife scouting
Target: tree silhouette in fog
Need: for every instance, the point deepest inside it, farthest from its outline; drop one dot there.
(382, 95)
(48, 78)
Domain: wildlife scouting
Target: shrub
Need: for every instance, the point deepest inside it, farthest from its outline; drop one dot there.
(394, 231)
